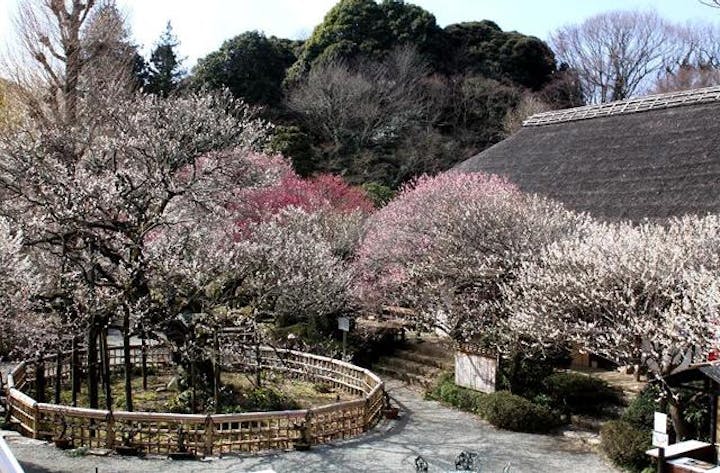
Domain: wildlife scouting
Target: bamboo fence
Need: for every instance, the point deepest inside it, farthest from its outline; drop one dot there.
(212, 434)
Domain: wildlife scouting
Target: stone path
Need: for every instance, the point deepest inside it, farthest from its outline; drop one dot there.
(426, 428)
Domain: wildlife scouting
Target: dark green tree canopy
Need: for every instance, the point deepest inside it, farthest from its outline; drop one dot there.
(165, 70)
(482, 48)
(364, 28)
(251, 65)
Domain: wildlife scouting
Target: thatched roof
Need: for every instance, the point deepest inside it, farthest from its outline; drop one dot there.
(654, 157)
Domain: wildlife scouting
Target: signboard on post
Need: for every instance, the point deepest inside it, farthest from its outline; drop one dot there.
(660, 437)
(344, 326)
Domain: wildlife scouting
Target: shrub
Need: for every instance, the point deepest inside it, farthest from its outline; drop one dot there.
(625, 444)
(640, 412)
(511, 412)
(576, 393)
(523, 375)
(448, 392)
(264, 399)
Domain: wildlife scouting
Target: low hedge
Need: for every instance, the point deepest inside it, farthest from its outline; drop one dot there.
(625, 444)
(510, 412)
(501, 409)
(575, 393)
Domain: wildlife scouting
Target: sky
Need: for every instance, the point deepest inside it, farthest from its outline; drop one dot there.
(202, 26)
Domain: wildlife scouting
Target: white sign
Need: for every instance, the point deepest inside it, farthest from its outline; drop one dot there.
(660, 439)
(660, 423)
(344, 324)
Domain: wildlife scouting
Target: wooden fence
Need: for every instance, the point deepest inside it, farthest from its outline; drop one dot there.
(212, 434)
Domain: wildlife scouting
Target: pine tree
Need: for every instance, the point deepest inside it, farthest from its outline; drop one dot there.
(165, 65)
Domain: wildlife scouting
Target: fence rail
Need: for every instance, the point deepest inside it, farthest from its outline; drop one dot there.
(212, 434)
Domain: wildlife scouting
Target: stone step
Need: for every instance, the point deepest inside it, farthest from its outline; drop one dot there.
(445, 362)
(431, 346)
(407, 366)
(410, 378)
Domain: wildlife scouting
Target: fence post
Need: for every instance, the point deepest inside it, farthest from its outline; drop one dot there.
(36, 419)
(209, 431)
(366, 415)
(308, 434)
(110, 431)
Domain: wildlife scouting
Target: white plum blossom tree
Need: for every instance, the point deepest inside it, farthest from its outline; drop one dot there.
(647, 295)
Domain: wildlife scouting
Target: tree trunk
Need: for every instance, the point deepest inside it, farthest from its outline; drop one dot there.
(127, 360)
(682, 428)
(92, 374)
(515, 361)
(144, 362)
(192, 384)
(74, 374)
(258, 373)
(58, 376)
(40, 379)
(216, 372)
(107, 386)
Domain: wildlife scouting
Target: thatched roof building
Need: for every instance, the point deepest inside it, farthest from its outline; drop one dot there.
(651, 157)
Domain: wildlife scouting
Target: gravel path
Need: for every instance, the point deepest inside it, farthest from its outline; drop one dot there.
(426, 428)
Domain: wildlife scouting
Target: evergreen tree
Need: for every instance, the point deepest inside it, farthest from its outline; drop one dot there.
(165, 66)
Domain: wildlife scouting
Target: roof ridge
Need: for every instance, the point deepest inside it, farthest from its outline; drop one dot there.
(621, 107)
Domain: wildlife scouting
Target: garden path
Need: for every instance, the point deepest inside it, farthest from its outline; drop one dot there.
(425, 428)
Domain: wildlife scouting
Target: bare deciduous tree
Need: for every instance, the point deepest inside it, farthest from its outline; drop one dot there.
(368, 103)
(697, 59)
(66, 51)
(615, 54)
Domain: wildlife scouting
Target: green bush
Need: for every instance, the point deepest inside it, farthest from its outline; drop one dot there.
(524, 375)
(264, 399)
(448, 392)
(501, 409)
(641, 410)
(576, 393)
(508, 411)
(625, 444)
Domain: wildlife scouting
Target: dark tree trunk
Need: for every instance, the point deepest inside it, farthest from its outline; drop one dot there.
(92, 374)
(258, 361)
(216, 372)
(40, 379)
(144, 362)
(58, 376)
(192, 384)
(105, 358)
(127, 360)
(682, 428)
(74, 374)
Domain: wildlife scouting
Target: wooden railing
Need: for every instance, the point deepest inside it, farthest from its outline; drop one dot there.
(162, 433)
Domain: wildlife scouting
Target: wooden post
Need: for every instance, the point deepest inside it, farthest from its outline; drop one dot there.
(209, 433)
(110, 431)
(36, 419)
(661, 460)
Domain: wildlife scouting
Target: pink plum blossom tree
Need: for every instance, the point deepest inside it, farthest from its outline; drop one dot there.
(446, 245)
